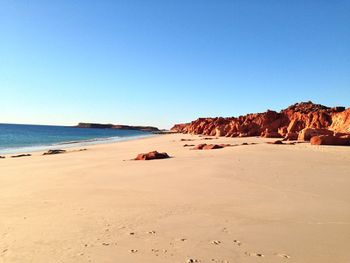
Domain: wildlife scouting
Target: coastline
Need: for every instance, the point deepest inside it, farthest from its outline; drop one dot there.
(70, 145)
(247, 203)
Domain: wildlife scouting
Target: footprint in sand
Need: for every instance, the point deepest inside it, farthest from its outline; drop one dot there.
(253, 254)
(282, 255)
(220, 261)
(216, 242)
(237, 242)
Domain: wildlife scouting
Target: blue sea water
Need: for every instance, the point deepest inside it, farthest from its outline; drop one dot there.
(15, 138)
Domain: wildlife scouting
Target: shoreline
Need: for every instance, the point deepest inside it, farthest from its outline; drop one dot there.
(70, 145)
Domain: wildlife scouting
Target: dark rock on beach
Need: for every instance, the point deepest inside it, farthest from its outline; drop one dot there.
(49, 152)
(20, 155)
(277, 142)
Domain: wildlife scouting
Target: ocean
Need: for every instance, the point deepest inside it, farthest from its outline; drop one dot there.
(16, 138)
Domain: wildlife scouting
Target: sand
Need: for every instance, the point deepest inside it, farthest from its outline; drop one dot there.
(248, 203)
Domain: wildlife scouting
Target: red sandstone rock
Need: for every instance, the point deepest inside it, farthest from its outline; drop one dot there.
(152, 155)
(212, 146)
(329, 140)
(342, 134)
(271, 134)
(199, 146)
(341, 121)
(283, 131)
(307, 133)
(276, 142)
(205, 146)
(287, 123)
(291, 136)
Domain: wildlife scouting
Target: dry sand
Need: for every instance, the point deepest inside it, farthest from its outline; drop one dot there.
(252, 203)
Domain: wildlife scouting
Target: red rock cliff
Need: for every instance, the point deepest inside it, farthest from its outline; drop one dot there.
(299, 121)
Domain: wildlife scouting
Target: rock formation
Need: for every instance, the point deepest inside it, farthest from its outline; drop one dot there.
(330, 140)
(205, 146)
(300, 121)
(152, 155)
(56, 151)
(20, 155)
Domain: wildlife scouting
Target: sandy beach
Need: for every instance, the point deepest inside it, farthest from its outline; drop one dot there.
(247, 203)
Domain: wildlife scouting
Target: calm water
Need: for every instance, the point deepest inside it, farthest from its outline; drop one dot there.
(17, 137)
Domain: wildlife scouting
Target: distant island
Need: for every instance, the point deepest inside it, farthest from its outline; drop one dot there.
(117, 126)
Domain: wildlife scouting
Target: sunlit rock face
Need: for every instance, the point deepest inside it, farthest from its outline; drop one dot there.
(300, 121)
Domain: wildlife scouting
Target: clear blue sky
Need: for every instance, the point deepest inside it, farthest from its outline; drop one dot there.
(159, 62)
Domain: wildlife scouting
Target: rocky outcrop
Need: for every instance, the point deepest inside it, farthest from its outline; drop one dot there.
(151, 156)
(307, 133)
(119, 127)
(330, 140)
(299, 121)
(341, 122)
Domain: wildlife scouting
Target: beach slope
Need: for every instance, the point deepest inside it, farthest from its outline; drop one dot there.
(248, 203)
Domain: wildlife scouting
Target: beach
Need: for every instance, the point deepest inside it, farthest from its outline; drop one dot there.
(247, 203)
